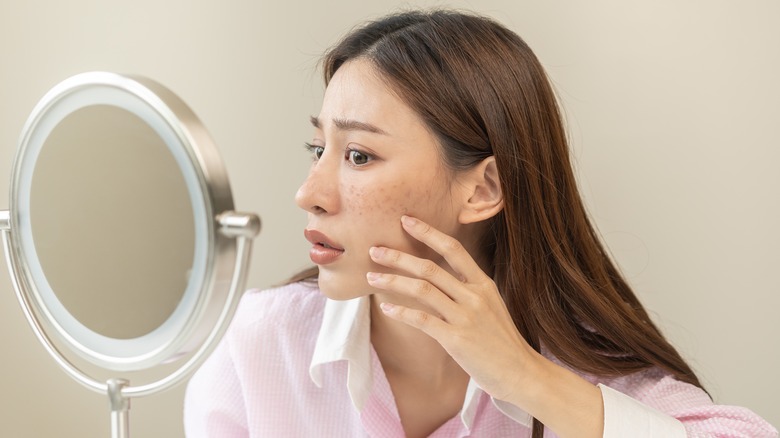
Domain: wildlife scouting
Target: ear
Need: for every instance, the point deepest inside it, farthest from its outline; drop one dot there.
(484, 198)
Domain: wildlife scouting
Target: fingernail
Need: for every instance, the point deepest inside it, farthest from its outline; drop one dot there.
(372, 276)
(376, 252)
(408, 221)
(386, 307)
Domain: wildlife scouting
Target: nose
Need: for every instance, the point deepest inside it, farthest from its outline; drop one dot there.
(319, 192)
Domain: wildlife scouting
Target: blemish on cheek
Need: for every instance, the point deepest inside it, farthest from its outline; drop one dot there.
(390, 206)
(359, 201)
(389, 200)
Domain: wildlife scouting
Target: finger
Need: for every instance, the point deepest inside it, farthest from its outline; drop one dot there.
(419, 268)
(421, 290)
(424, 321)
(447, 246)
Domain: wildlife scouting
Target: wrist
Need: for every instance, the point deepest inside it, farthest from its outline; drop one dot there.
(562, 400)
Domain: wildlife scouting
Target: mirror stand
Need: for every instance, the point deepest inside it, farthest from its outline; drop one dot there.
(241, 226)
(120, 408)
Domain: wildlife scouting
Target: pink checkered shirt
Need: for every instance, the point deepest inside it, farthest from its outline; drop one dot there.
(295, 364)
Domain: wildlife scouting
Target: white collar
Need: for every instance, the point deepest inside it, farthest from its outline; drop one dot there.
(345, 334)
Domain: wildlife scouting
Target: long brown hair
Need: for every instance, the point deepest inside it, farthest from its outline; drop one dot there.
(483, 92)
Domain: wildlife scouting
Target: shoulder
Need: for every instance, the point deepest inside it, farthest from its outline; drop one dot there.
(268, 345)
(293, 309)
(281, 303)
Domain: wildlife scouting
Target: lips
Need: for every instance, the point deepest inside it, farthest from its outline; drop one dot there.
(323, 250)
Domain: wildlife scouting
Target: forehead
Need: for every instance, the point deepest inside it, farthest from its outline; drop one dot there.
(358, 92)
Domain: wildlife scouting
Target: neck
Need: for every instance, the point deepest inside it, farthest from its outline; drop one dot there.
(406, 351)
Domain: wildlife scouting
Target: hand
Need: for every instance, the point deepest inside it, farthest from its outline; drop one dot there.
(468, 316)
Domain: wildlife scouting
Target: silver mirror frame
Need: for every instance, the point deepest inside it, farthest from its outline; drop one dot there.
(220, 265)
(209, 195)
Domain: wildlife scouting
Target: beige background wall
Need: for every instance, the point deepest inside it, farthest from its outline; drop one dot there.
(674, 113)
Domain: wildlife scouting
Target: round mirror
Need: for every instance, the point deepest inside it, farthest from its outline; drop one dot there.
(121, 236)
(72, 215)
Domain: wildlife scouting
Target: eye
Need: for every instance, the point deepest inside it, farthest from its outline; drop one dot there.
(315, 150)
(358, 158)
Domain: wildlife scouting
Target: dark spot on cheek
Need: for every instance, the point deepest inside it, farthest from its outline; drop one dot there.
(395, 200)
(354, 199)
(392, 203)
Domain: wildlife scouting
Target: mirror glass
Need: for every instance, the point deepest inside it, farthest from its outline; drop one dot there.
(112, 222)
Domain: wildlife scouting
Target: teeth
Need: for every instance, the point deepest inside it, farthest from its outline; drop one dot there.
(326, 245)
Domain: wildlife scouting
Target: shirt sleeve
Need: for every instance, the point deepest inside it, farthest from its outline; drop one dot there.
(651, 404)
(624, 416)
(213, 402)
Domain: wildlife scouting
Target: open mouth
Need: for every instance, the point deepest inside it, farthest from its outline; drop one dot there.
(323, 250)
(326, 246)
(318, 238)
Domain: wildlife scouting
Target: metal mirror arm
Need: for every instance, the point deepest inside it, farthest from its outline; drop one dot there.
(241, 226)
(19, 285)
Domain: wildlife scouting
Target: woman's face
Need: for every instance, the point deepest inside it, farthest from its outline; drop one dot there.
(374, 161)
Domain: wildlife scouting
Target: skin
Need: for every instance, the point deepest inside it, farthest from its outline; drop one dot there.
(409, 228)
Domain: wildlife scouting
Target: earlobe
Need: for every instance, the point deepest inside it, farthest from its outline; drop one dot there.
(485, 197)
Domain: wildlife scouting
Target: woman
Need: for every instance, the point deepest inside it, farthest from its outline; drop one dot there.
(461, 289)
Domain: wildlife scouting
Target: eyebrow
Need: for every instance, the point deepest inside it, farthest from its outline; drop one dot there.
(349, 125)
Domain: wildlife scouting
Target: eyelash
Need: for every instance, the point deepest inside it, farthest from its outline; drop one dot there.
(312, 149)
(348, 154)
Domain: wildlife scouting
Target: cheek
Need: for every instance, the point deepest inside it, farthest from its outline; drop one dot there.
(378, 210)
(382, 203)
